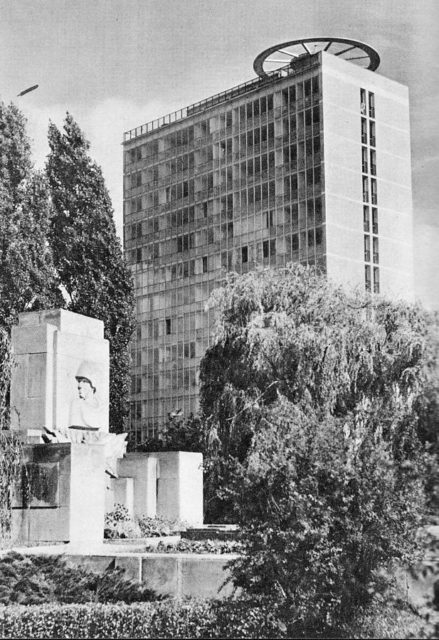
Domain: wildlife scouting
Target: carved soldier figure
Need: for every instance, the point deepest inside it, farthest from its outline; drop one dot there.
(85, 411)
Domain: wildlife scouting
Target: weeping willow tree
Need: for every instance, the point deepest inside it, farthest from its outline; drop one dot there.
(316, 406)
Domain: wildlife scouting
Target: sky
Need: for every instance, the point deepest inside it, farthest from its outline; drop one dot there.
(116, 64)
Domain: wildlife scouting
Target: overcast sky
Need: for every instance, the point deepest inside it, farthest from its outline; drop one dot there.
(116, 64)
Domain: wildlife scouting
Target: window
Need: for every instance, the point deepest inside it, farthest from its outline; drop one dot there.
(204, 264)
(365, 190)
(376, 280)
(168, 325)
(244, 255)
(371, 104)
(367, 278)
(374, 220)
(367, 248)
(315, 85)
(364, 166)
(372, 133)
(373, 161)
(139, 255)
(269, 219)
(366, 219)
(375, 250)
(265, 249)
(363, 101)
(364, 130)
(319, 236)
(373, 185)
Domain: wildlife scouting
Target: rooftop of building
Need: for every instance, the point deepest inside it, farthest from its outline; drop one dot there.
(300, 55)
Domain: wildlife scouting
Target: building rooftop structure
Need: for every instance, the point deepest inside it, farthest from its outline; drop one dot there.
(308, 162)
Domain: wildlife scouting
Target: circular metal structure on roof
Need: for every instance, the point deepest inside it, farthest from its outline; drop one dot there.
(288, 53)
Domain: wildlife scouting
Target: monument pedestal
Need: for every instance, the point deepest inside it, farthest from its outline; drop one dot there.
(60, 496)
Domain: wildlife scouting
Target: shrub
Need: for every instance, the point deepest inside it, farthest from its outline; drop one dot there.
(197, 546)
(152, 527)
(188, 619)
(193, 619)
(119, 524)
(32, 580)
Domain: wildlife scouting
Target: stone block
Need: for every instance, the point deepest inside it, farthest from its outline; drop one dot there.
(96, 563)
(180, 486)
(123, 493)
(87, 493)
(142, 467)
(60, 495)
(204, 576)
(132, 566)
(161, 573)
(49, 348)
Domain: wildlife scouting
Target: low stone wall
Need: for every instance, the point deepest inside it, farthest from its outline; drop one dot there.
(175, 574)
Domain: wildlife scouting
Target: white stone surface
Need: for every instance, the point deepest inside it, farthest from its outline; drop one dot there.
(167, 484)
(87, 493)
(142, 467)
(49, 348)
(180, 486)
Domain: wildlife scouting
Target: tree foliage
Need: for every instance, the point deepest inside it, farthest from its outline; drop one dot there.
(88, 255)
(27, 276)
(316, 404)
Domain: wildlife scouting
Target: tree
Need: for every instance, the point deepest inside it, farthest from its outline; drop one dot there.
(27, 275)
(88, 254)
(314, 397)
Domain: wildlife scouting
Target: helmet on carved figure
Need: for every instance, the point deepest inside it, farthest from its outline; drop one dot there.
(87, 371)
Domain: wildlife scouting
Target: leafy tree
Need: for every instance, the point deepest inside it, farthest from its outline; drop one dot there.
(178, 434)
(315, 401)
(27, 276)
(88, 254)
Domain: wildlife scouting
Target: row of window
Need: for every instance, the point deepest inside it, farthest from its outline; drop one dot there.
(292, 97)
(183, 324)
(296, 187)
(304, 124)
(369, 169)
(168, 379)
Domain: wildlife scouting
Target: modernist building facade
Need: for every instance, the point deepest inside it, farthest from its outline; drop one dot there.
(310, 163)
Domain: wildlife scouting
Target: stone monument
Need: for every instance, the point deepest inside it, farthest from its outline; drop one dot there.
(62, 418)
(51, 349)
(74, 469)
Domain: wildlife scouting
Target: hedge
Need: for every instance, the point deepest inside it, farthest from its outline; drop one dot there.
(171, 619)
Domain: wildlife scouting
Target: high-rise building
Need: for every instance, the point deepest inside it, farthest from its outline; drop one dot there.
(309, 162)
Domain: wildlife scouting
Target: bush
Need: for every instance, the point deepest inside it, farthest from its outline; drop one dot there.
(193, 619)
(189, 619)
(30, 580)
(154, 527)
(197, 546)
(119, 524)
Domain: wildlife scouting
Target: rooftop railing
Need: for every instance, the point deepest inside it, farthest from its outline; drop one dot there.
(203, 105)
